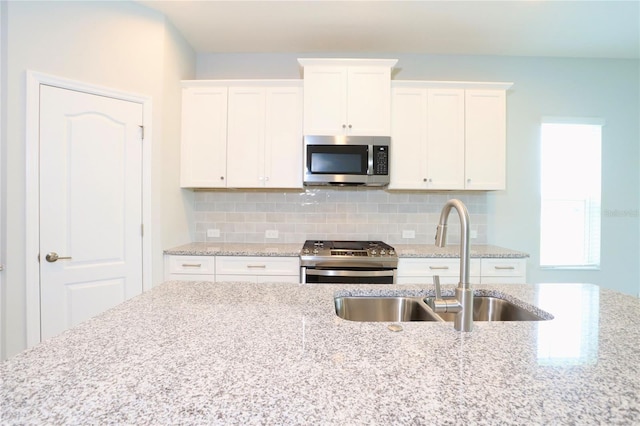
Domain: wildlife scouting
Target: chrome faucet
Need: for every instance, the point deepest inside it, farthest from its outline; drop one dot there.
(462, 305)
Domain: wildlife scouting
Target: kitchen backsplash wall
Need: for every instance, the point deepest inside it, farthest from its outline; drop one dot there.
(331, 214)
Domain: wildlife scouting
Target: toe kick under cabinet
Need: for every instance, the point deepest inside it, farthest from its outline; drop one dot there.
(232, 268)
(481, 271)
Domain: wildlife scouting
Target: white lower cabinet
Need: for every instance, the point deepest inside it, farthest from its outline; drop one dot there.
(422, 270)
(503, 271)
(482, 271)
(189, 268)
(232, 268)
(258, 269)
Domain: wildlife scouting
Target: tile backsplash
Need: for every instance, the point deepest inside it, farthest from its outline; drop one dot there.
(245, 216)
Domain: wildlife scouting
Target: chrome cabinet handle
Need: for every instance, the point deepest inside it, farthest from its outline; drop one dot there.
(192, 265)
(257, 266)
(53, 257)
(438, 267)
(504, 267)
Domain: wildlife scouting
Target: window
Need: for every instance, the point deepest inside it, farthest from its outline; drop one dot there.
(570, 191)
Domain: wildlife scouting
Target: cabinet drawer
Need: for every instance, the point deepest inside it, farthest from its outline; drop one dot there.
(248, 265)
(429, 267)
(504, 267)
(190, 265)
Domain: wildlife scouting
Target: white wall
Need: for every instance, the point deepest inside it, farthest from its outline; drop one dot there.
(542, 87)
(121, 45)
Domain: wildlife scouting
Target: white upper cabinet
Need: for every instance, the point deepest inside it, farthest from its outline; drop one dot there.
(203, 156)
(242, 134)
(245, 137)
(427, 144)
(264, 142)
(447, 137)
(485, 139)
(347, 96)
(408, 151)
(283, 140)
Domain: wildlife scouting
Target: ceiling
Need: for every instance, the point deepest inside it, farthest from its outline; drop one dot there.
(596, 29)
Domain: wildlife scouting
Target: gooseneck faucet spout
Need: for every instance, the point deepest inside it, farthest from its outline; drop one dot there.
(463, 305)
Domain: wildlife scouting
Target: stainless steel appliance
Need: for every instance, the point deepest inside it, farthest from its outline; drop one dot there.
(346, 160)
(348, 262)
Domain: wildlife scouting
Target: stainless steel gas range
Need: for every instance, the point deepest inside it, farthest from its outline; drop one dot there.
(348, 262)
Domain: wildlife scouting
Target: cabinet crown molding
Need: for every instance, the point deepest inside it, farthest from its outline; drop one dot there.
(389, 63)
(475, 85)
(243, 83)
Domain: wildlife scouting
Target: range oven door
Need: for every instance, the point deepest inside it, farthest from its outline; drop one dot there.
(348, 275)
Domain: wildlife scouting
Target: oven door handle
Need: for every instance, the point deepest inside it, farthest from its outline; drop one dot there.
(347, 273)
(342, 265)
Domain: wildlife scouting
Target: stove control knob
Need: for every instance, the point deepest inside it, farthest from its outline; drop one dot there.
(383, 252)
(315, 251)
(392, 252)
(305, 251)
(374, 252)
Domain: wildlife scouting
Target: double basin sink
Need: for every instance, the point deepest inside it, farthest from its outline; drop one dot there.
(407, 308)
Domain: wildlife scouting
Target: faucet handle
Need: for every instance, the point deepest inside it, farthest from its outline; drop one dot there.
(438, 304)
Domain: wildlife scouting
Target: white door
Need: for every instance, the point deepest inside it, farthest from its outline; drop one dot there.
(368, 101)
(283, 141)
(409, 138)
(245, 137)
(485, 144)
(90, 205)
(445, 138)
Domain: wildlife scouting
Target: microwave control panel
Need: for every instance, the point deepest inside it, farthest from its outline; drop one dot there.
(381, 160)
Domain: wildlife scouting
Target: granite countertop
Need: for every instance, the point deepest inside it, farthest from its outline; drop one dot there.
(236, 249)
(240, 353)
(293, 250)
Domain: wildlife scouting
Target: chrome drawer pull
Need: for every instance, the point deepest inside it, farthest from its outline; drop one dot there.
(504, 267)
(257, 266)
(438, 267)
(192, 265)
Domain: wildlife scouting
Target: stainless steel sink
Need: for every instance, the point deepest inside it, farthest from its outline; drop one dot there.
(382, 309)
(402, 308)
(487, 308)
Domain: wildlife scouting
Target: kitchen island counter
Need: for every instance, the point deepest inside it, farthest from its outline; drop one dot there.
(240, 353)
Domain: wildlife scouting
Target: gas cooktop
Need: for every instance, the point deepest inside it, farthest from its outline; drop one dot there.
(314, 252)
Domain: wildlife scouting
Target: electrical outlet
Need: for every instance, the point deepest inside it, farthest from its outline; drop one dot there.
(408, 233)
(213, 233)
(271, 233)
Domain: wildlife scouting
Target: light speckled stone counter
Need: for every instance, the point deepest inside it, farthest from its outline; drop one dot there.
(453, 250)
(236, 249)
(291, 250)
(238, 353)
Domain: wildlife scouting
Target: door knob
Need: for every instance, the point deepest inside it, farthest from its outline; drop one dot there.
(53, 256)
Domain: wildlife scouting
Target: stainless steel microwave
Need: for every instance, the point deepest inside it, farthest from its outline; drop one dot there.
(346, 160)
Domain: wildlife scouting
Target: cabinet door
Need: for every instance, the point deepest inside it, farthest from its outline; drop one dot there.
(369, 101)
(504, 271)
(204, 137)
(485, 145)
(245, 137)
(257, 266)
(325, 100)
(283, 140)
(422, 270)
(445, 138)
(408, 138)
(189, 268)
